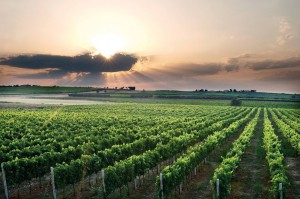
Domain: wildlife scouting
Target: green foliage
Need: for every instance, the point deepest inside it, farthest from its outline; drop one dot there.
(33, 140)
(226, 169)
(271, 104)
(274, 156)
(174, 175)
(126, 140)
(236, 102)
(288, 130)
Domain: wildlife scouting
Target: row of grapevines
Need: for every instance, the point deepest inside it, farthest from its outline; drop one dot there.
(50, 141)
(287, 131)
(294, 112)
(55, 139)
(173, 175)
(44, 161)
(119, 152)
(231, 161)
(289, 119)
(274, 156)
(95, 144)
(118, 174)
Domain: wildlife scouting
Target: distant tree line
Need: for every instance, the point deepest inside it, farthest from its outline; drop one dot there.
(22, 85)
(227, 91)
(54, 86)
(243, 91)
(201, 90)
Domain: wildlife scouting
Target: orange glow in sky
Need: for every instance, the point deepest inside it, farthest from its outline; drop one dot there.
(178, 44)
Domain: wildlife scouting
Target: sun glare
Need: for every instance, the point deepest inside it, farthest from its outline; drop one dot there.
(107, 45)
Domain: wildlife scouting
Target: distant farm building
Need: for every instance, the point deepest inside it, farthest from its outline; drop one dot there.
(131, 88)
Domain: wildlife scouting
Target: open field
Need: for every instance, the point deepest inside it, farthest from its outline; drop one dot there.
(19, 90)
(63, 99)
(83, 95)
(183, 142)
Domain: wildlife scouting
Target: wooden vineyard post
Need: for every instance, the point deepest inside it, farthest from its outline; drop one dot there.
(135, 182)
(161, 185)
(280, 190)
(180, 188)
(4, 181)
(217, 187)
(53, 182)
(95, 179)
(103, 181)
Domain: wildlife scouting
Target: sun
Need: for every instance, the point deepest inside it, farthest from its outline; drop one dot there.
(107, 45)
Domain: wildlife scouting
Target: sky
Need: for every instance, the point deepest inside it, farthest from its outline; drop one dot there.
(152, 44)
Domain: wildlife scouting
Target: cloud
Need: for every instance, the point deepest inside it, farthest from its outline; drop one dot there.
(88, 70)
(195, 69)
(285, 32)
(230, 68)
(274, 64)
(58, 66)
(284, 26)
(292, 75)
(84, 69)
(256, 63)
(238, 59)
(234, 63)
(282, 39)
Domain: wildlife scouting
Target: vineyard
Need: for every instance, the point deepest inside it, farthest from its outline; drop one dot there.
(150, 151)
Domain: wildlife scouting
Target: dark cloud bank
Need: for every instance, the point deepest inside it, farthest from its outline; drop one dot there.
(58, 66)
(234, 64)
(275, 64)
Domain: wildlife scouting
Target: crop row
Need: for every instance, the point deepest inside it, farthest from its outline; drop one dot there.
(274, 156)
(173, 175)
(226, 169)
(33, 135)
(19, 170)
(289, 119)
(292, 136)
(141, 163)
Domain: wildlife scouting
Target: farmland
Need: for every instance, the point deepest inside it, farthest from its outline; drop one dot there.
(142, 150)
(149, 99)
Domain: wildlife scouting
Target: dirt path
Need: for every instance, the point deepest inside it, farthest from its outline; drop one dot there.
(293, 172)
(251, 177)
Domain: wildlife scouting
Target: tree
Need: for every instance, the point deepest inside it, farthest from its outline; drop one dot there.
(236, 102)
